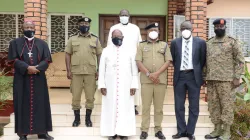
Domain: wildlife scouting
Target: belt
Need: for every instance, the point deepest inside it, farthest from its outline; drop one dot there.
(187, 71)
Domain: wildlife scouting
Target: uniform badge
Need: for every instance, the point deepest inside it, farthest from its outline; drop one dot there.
(86, 19)
(145, 49)
(156, 24)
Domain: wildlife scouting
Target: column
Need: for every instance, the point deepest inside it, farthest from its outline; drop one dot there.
(36, 10)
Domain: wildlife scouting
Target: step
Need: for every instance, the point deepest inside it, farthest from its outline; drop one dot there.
(168, 117)
(34, 137)
(167, 128)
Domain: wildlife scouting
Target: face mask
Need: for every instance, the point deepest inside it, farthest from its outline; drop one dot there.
(220, 32)
(84, 29)
(117, 41)
(29, 33)
(124, 19)
(186, 34)
(153, 35)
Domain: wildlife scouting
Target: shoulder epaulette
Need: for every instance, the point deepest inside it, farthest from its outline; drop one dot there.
(94, 35)
(210, 38)
(232, 37)
(143, 41)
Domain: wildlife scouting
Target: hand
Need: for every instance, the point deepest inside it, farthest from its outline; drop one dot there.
(32, 70)
(204, 83)
(96, 75)
(154, 77)
(104, 91)
(236, 82)
(132, 91)
(69, 75)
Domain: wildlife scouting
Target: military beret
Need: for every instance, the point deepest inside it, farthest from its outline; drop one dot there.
(153, 25)
(220, 21)
(84, 19)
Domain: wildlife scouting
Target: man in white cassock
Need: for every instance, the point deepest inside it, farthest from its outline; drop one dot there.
(118, 81)
(132, 37)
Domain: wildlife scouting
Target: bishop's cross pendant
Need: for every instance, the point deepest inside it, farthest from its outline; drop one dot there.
(30, 54)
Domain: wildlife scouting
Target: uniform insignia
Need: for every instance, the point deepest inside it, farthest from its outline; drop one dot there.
(156, 24)
(86, 19)
(94, 35)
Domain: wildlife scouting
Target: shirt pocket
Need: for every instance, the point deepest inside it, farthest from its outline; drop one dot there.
(92, 47)
(76, 46)
(161, 52)
(146, 52)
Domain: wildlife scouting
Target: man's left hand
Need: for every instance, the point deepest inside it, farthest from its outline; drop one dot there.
(154, 76)
(236, 82)
(96, 75)
(132, 91)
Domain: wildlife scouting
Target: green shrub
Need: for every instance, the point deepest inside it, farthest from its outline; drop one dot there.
(5, 89)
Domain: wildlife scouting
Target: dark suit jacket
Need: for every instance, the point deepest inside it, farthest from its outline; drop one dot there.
(199, 58)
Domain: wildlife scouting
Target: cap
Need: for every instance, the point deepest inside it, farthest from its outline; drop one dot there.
(220, 21)
(84, 19)
(153, 25)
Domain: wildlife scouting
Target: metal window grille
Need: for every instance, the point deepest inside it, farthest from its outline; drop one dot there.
(178, 19)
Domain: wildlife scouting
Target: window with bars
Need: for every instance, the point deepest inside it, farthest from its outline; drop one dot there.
(10, 28)
(60, 28)
(238, 28)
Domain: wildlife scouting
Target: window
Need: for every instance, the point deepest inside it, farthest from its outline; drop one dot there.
(60, 28)
(10, 28)
(238, 28)
(178, 19)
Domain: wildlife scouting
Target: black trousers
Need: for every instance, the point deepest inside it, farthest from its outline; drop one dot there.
(186, 82)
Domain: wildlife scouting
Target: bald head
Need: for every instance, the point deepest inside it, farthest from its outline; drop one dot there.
(124, 12)
(117, 33)
(28, 28)
(186, 25)
(117, 37)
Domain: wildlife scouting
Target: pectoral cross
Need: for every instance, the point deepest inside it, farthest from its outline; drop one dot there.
(30, 53)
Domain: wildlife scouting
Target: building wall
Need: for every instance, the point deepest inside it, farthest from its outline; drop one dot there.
(229, 8)
(93, 8)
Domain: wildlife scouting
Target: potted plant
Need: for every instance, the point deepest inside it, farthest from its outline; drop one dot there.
(240, 129)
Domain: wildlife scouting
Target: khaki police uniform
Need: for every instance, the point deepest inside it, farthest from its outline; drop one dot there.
(84, 51)
(153, 56)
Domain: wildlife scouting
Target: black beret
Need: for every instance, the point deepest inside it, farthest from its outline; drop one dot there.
(221, 21)
(153, 25)
(84, 19)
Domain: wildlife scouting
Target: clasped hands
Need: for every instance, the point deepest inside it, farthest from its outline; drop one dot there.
(154, 77)
(33, 70)
(104, 91)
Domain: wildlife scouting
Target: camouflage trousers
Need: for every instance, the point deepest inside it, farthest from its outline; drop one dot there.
(220, 102)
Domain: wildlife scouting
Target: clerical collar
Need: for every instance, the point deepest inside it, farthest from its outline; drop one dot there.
(29, 39)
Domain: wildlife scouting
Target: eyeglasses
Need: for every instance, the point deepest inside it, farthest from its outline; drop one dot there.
(219, 27)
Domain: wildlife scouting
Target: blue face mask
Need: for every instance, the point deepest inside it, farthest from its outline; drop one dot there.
(117, 41)
(84, 29)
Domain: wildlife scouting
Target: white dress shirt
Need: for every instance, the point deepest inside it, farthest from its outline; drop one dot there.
(190, 56)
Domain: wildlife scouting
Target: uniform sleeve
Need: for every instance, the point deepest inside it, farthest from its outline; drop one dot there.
(238, 59)
(168, 56)
(134, 70)
(138, 56)
(98, 47)
(68, 48)
(102, 71)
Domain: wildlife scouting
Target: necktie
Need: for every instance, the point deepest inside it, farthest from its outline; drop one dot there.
(186, 55)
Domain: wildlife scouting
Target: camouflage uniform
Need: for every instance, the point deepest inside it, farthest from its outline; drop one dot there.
(225, 62)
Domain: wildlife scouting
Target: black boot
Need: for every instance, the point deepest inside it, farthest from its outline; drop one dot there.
(77, 120)
(22, 137)
(136, 112)
(88, 122)
(45, 136)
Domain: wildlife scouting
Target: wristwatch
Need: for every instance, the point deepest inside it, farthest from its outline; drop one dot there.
(148, 73)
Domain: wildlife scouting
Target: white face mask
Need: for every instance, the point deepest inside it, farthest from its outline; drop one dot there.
(153, 35)
(186, 34)
(124, 19)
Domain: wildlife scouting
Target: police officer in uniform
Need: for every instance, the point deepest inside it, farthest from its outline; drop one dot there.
(82, 58)
(225, 64)
(153, 58)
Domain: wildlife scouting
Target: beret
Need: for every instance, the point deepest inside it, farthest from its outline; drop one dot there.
(220, 21)
(84, 19)
(153, 25)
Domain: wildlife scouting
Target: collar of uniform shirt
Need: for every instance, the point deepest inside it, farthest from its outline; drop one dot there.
(88, 35)
(148, 41)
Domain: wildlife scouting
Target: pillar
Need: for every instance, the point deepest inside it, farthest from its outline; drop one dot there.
(36, 10)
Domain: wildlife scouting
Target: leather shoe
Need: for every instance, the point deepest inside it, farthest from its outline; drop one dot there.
(22, 138)
(112, 137)
(179, 135)
(159, 135)
(136, 112)
(191, 137)
(45, 136)
(123, 137)
(144, 135)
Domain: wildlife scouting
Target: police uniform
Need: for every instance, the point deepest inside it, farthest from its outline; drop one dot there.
(153, 56)
(225, 62)
(84, 51)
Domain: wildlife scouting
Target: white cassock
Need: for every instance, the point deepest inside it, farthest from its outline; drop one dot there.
(132, 37)
(118, 73)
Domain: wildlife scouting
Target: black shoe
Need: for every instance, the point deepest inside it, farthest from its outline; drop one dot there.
(159, 135)
(191, 137)
(136, 112)
(112, 137)
(88, 121)
(123, 137)
(45, 136)
(23, 137)
(77, 120)
(144, 135)
(179, 135)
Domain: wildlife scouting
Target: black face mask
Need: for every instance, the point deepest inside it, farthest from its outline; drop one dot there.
(84, 29)
(220, 32)
(117, 41)
(29, 33)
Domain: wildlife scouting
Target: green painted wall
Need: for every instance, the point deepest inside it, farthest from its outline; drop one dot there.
(93, 8)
